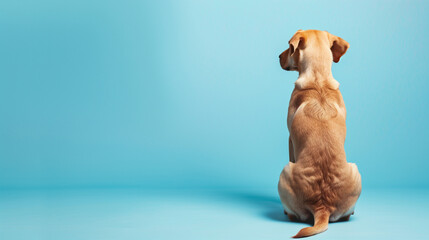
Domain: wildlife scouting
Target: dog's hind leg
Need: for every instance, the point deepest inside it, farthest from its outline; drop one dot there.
(291, 151)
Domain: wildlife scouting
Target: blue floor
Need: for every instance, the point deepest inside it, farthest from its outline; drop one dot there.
(197, 214)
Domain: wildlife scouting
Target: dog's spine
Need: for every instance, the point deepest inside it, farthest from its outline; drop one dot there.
(321, 221)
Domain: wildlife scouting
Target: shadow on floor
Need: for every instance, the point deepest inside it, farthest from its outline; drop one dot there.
(270, 207)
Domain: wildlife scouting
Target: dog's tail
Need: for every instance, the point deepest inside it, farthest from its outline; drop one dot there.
(321, 220)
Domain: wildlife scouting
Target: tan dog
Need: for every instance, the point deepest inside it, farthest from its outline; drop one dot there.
(318, 183)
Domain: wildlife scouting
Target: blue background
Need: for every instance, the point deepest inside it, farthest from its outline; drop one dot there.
(153, 119)
(191, 94)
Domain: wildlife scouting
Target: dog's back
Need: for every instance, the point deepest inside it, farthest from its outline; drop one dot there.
(319, 129)
(321, 180)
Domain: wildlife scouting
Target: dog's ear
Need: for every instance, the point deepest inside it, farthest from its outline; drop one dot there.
(339, 47)
(297, 42)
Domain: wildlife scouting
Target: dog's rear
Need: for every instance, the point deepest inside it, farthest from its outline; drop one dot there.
(318, 183)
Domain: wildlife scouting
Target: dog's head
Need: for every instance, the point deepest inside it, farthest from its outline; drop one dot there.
(306, 47)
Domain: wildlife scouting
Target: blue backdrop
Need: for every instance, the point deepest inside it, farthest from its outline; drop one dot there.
(165, 94)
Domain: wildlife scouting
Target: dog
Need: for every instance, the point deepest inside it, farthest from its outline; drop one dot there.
(318, 183)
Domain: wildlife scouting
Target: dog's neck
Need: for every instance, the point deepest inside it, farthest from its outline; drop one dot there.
(316, 76)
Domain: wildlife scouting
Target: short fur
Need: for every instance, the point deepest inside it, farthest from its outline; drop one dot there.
(318, 183)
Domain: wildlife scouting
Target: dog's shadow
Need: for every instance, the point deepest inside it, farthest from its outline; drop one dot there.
(268, 206)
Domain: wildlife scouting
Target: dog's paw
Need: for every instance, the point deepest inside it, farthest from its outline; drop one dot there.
(344, 219)
(292, 218)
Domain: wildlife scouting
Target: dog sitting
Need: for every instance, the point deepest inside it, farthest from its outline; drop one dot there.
(318, 183)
